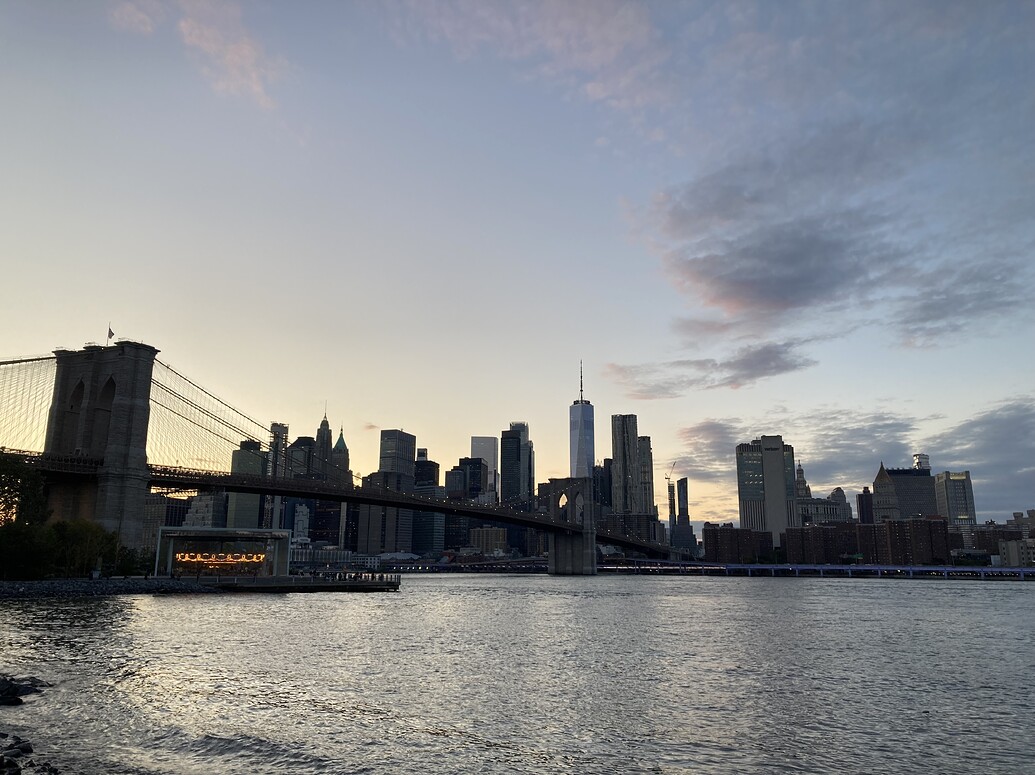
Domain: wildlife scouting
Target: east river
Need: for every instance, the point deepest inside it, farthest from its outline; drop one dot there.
(533, 674)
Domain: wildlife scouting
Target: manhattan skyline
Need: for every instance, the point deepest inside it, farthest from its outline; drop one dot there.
(744, 219)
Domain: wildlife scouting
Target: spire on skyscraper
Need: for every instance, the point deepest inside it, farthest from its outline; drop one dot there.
(580, 417)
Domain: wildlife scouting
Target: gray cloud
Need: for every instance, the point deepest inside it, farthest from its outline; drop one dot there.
(844, 448)
(998, 447)
(743, 367)
(708, 451)
(892, 189)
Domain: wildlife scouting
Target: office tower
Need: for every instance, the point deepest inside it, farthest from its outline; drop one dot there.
(914, 489)
(905, 493)
(517, 467)
(864, 504)
(244, 510)
(671, 506)
(300, 458)
(955, 496)
(388, 528)
(646, 456)
(602, 483)
(456, 484)
(683, 536)
(487, 448)
(476, 476)
(325, 522)
(341, 472)
(429, 528)
(581, 441)
(885, 502)
(323, 450)
(276, 468)
(683, 497)
(765, 486)
(626, 487)
(276, 462)
(398, 452)
(425, 472)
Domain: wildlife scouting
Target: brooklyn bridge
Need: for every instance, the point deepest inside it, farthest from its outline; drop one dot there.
(107, 425)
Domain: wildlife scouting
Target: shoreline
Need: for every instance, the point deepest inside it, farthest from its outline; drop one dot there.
(72, 588)
(17, 754)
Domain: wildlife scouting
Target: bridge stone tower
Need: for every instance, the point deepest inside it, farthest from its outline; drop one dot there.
(573, 554)
(100, 409)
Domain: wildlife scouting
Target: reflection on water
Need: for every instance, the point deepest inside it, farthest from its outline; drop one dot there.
(536, 674)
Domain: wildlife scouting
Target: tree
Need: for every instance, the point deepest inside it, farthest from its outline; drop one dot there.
(23, 494)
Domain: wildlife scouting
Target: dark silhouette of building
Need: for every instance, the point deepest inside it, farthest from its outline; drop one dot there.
(864, 505)
(728, 544)
(517, 467)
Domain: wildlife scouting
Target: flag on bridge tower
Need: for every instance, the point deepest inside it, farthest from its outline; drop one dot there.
(110, 333)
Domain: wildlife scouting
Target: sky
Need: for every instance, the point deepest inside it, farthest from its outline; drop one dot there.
(805, 219)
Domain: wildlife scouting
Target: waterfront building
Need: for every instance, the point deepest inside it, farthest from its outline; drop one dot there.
(489, 540)
(987, 537)
(581, 442)
(815, 544)
(728, 544)
(766, 486)
(1017, 553)
(1026, 524)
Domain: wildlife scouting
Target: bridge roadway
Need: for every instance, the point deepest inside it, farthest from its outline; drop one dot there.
(171, 477)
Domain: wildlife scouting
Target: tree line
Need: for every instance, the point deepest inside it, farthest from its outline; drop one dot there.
(34, 547)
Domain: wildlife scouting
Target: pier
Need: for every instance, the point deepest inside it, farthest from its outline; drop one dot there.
(338, 582)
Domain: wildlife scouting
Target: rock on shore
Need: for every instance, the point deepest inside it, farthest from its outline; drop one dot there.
(16, 752)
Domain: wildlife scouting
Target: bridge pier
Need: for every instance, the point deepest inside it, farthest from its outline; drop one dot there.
(100, 409)
(573, 553)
